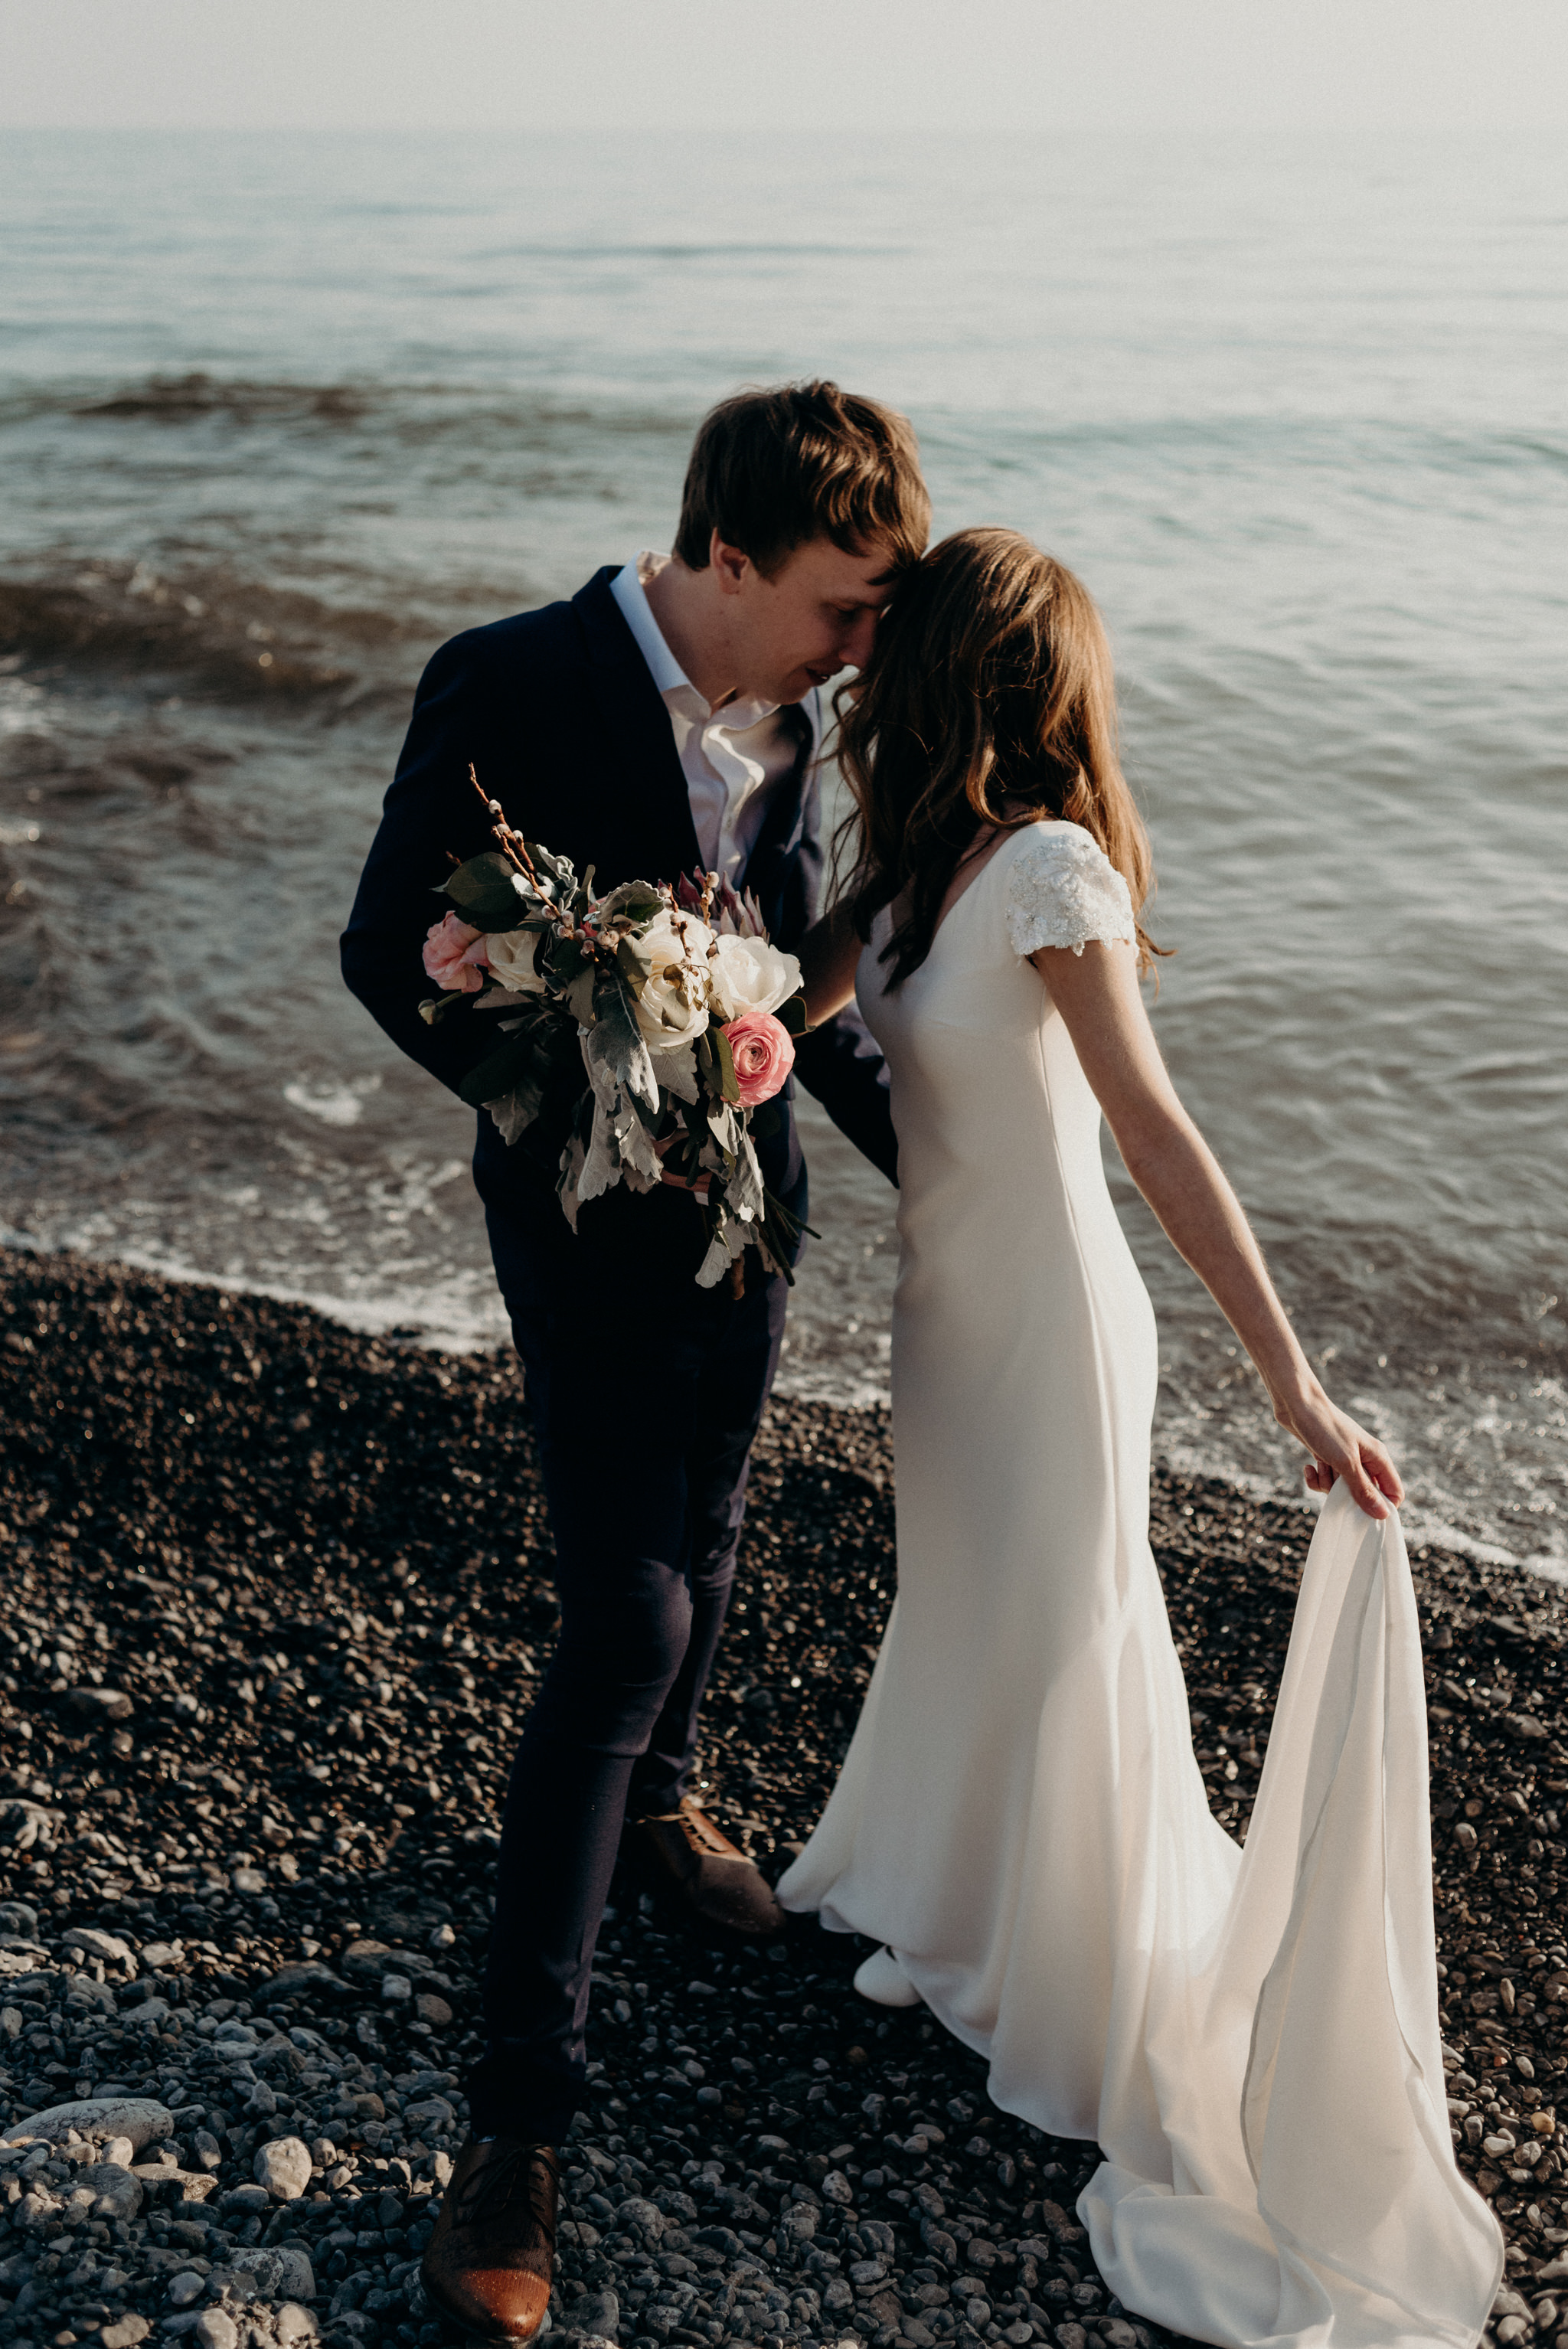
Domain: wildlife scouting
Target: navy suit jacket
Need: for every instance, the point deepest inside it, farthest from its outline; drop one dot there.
(563, 724)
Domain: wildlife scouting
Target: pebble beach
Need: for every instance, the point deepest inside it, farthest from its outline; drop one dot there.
(276, 1597)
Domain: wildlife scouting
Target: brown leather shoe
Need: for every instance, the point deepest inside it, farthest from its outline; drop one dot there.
(488, 2265)
(682, 1854)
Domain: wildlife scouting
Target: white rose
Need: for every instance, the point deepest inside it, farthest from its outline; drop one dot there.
(750, 975)
(668, 966)
(511, 956)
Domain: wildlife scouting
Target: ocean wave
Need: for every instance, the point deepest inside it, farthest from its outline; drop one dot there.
(175, 399)
(1368, 456)
(208, 629)
(518, 417)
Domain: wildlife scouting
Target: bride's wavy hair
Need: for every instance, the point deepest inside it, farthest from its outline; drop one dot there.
(990, 699)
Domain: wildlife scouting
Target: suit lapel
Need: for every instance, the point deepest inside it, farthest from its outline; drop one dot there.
(779, 840)
(641, 821)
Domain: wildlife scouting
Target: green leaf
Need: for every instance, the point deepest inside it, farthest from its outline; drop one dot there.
(630, 966)
(694, 1117)
(485, 894)
(791, 1016)
(500, 1072)
(728, 1083)
(767, 1120)
(567, 957)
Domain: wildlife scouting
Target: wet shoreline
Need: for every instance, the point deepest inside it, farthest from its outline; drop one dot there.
(277, 1593)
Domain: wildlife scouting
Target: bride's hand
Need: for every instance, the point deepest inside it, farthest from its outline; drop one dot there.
(829, 954)
(1340, 1448)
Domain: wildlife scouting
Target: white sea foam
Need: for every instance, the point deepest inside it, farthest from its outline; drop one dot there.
(333, 1104)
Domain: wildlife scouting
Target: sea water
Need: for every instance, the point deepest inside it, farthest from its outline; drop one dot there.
(278, 414)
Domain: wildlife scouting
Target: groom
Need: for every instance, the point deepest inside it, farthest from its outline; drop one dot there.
(669, 717)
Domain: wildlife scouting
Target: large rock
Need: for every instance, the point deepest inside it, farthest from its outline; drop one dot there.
(139, 2119)
(96, 1943)
(284, 2167)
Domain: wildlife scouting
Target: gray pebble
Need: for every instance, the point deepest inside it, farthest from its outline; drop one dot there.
(282, 2274)
(596, 2313)
(111, 2191)
(636, 2213)
(100, 1704)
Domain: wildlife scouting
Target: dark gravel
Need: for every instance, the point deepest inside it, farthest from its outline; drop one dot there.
(277, 1596)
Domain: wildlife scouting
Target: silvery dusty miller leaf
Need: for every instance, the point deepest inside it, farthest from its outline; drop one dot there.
(515, 1111)
(615, 1042)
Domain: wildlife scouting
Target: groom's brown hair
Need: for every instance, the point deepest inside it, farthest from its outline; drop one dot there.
(770, 471)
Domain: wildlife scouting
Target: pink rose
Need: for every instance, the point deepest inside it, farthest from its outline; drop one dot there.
(763, 1053)
(455, 956)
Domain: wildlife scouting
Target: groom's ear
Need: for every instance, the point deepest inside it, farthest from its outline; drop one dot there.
(728, 565)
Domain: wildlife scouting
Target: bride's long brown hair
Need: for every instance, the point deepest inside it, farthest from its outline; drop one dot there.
(990, 699)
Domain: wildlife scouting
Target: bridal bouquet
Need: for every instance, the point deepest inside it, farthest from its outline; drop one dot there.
(654, 1023)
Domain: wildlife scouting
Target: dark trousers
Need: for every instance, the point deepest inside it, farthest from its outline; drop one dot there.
(645, 1397)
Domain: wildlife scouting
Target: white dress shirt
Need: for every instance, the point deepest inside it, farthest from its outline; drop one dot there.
(734, 759)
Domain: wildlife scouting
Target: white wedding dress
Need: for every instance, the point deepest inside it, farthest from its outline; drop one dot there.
(1251, 2037)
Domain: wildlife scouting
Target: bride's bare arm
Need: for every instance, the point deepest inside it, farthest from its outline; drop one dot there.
(1096, 994)
(828, 954)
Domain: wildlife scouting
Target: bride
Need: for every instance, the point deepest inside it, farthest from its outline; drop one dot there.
(1251, 2038)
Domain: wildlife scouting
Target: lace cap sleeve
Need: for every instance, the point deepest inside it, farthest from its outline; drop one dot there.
(1062, 891)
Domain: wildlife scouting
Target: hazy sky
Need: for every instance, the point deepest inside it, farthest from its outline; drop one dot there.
(885, 65)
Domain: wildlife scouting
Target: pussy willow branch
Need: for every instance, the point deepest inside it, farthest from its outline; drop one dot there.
(512, 843)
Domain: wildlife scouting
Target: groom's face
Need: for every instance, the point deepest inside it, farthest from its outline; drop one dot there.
(815, 617)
